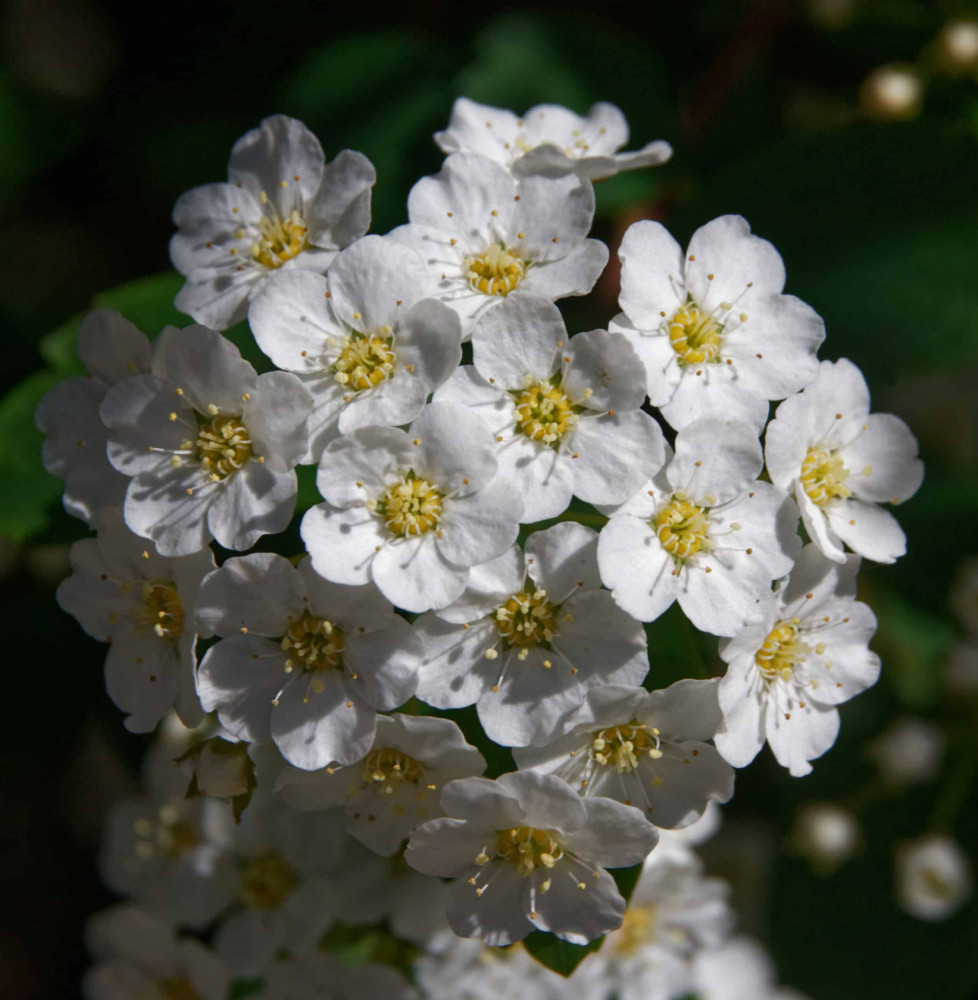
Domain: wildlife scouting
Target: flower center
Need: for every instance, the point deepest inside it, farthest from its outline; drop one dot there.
(366, 360)
(280, 239)
(682, 528)
(496, 271)
(823, 476)
(223, 446)
(177, 989)
(528, 848)
(695, 336)
(543, 411)
(171, 835)
(527, 619)
(388, 768)
(313, 644)
(621, 746)
(266, 882)
(782, 651)
(410, 507)
(637, 929)
(161, 610)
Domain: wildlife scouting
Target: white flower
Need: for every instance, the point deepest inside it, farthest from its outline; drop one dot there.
(910, 751)
(565, 412)
(366, 342)
(138, 955)
(211, 446)
(672, 913)
(739, 969)
(703, 532)
(529, 637)
(526, 851)
(124, 593)
(787, 673)
(485, 234)
(412, 511)
(841, 462)
(827, 835)
(111, 349)
(645, 748)
(317, 975)
(711, 326)
(395, 787)
(933, 877)
(302, 662)
(548, 139)
(282, 207)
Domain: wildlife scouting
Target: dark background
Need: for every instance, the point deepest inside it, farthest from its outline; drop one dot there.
(109, 111)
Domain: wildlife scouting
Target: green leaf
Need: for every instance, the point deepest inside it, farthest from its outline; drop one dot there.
(677, 650)
(560, 956)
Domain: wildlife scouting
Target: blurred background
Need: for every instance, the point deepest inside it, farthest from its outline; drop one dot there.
(846, 131)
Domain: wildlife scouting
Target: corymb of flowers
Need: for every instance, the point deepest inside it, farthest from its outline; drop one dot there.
(426, 705)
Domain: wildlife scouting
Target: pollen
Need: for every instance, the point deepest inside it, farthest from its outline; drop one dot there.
(160, 610)
(266, 882)
(782, 652)
(223, 446)
(823, 476)
(495, 271)
(621, 747)
(387, 769)
(529, 848)
(695, 336)
(410, 507)
(527, 619)
(313, 643)
(365, 360)
(279, 239)
(544, 412)
(682, 528)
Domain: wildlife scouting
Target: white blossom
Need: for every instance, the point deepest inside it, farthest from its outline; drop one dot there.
(412, 510)
(211, 445)
(283, 207)
(645, 748)
(933, 877)
(786, 674)
(124, 593)
(302, 662)
(841, 463)
(548, 139)
(395, 787)
(825, 834)
(318, 976)
(715, 332)
(485, 234)
(528, 637)
(909, 751)
(565, 412)
(704, 532)
(365, 340)
(738, 969)
(527, 852)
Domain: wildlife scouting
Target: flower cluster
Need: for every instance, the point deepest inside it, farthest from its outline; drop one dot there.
(429, 377)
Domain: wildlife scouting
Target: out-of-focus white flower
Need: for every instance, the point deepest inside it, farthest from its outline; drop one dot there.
(366, 342)
(302, 662)
(715, 332)
(841, 463)
(317, 975)
(826, 835)
(909, 752)
(413, 510)
(395, 787)
(644, 748)
(211, 445)
(786, 675)
(933, 877)
(485, 234)
(957, 46)
(739, 969)
(892, 93)
(564, 411)
(527, 852)
(283, 206)
(138, 955)
(704, 532)
(528, 637)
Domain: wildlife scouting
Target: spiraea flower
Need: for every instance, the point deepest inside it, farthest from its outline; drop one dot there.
(548, 140)
(211, 446)
(316, 974)
(565, 412)
(842, 462)
(395, 787)
(485, 234)
(704, 532)
(111, 349)
(283, 206)
(366, 342)
(302, 662)
(527, 852)
(412, 510)
(647, 749)
(124, 593)
(933, 877)
(528, 637)
(738, 969)
(715, 332)
(137, 954)
(786, 674)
